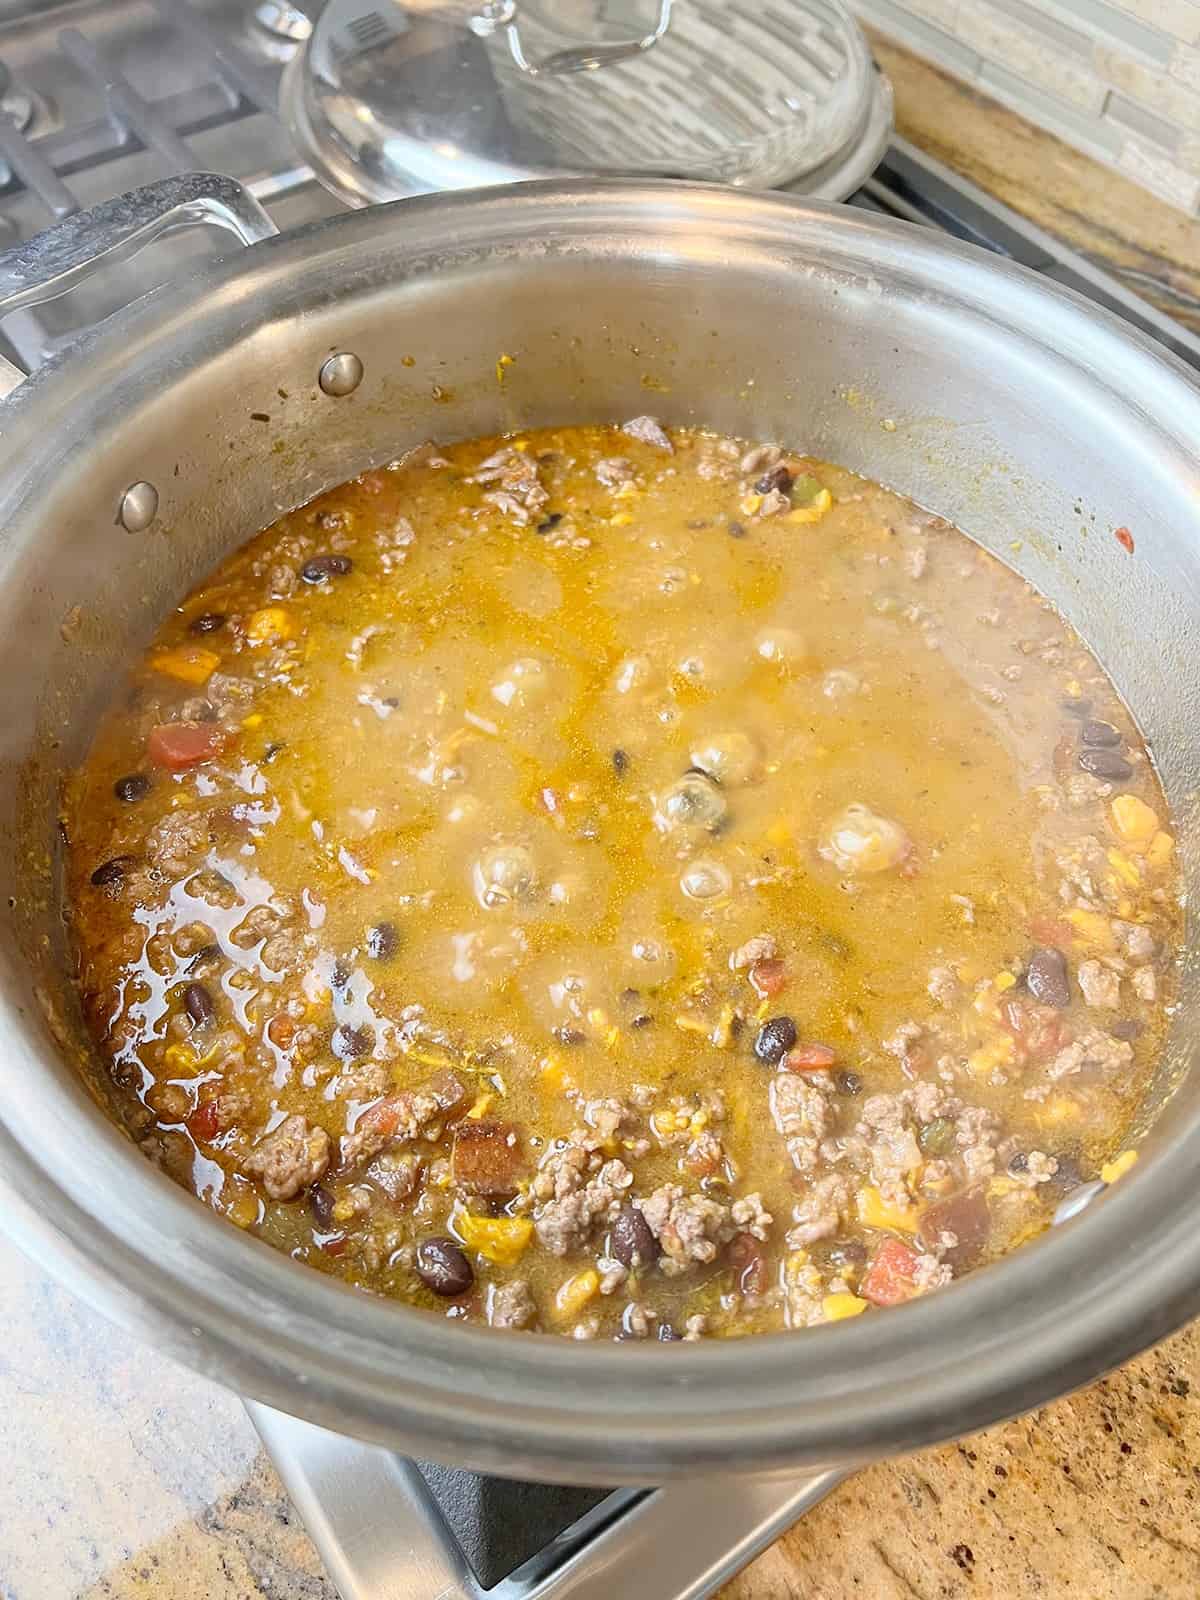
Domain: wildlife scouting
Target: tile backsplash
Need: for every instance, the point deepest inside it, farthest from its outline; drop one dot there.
(1119, 79)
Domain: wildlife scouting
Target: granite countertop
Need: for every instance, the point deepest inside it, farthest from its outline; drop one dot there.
(128, 1476)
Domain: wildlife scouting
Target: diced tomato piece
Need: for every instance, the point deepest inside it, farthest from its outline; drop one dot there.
(486, 1158)
(890, 1278)
(1038, 1030)
(204, 1124)
(1053, 931)
(809, 1058)
(769, 978)
(334, 1246)
(179, 745)
(384, 1116)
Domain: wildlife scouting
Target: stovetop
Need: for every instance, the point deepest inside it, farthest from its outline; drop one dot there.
(96, 98)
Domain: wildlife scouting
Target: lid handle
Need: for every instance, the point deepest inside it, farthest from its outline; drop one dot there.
(495, 15)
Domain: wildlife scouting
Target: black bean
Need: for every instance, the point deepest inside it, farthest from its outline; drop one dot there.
(737, 530)
(849, 1083)
(110, 874)
(198, 1004)
(1077, 708)
(320, 1203)
(133, 788)
(631, 1240)
(442, 1267)
(775, 1038)
(1046, 977)
(382, 941)
(667, 1334)
(570, 1036)
(776, 477)
(206, 954)
(208, 622)
(1068, 1174)
(1095, 732)
(552, 521)
(1019, 1162)
(322, 567)
(642, 1020)
(340, 976)
(620, 763)
(1128, 1030)
(273, 750)
(847, 1253)
(350, 1043)
(1110, 765)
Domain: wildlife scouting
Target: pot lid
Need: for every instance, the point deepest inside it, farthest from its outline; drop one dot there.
(389, 99)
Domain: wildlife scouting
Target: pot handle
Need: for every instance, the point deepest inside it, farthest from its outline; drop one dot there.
(55, 260)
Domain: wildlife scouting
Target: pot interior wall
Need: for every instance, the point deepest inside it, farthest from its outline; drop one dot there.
(947, 393)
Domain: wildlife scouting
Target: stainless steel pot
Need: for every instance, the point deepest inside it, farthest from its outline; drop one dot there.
(1029, 418)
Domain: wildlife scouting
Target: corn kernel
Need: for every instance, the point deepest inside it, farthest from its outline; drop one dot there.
(1124, 868)
(1118, 1166)
(999, 1053)
(1133, 819)
(690, 1024)
(269, 626)
(750, 504)
(243, 1212)
(190, 663)
(1160, 849)
(722, 1034)
(815, 510)
(499, 1239)
(779, 832)
(1091, 928)
(874, 1212)
(621, 520)
(1059, 1109)
(483, 1104)
(575, 1293)
(502, 366)
(1004, 980)
(837, 1307)
(254, 720)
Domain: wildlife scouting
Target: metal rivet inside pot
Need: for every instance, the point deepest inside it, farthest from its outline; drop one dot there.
(139, 506)
(341, 374)
(1078, 1200)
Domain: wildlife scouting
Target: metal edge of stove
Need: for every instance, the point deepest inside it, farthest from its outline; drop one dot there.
(382, 1537)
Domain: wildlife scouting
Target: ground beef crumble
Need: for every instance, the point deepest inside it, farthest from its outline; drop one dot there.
(289, 1158)
(691, 1228)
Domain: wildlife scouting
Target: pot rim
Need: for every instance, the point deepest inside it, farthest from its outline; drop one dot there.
(1046, 1319)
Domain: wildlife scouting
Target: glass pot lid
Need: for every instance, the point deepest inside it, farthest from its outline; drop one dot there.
(389, 99)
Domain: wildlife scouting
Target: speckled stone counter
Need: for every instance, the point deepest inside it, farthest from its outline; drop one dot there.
(125, 1476)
